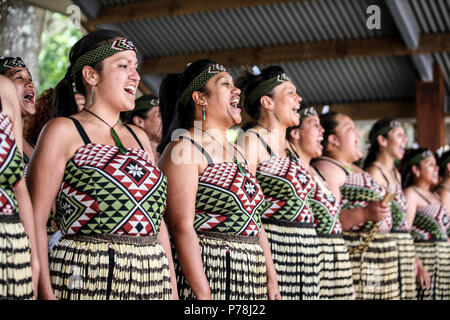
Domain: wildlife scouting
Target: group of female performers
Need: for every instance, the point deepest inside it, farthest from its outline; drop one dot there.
(151, 201)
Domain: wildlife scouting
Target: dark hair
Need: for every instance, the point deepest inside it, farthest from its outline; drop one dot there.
(442, 163)
(406, 167)
(174, 114)
(374, 149)
(247, 82)
(34, 124)
(329, 123)
(128, 116)
(64, 104)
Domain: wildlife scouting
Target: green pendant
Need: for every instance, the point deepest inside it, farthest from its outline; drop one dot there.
(241, 169)
(118, 142)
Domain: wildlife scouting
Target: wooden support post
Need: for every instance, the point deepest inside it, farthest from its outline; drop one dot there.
(430, 111)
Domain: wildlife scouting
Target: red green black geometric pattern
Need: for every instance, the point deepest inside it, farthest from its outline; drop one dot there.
(228, 201)
(326, 211)
(287, 186)
(11, 167)
(432, 222)
(358, 190)
(398, 209)
(105, 191)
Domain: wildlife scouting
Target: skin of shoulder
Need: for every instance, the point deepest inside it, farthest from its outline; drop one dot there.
(334, 176)
(252, 149)
(377, 176)
(142, 136)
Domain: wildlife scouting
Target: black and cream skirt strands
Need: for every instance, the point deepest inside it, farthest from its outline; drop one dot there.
(335, 274)
(406, 263)
(234, 266)
(435, 256)
(15, 257)
(375, 271)
(110, 267)
(296, 258)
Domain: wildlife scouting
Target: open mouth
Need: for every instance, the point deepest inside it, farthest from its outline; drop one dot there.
(235, 103)
(29, 98)
(319, 142)
(131, 90)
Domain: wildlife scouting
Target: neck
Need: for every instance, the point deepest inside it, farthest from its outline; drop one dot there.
(339, 157)
(304, 157)
(218, 132)
(106, 114)
(276, 131)
(385, 160)
(423, 185)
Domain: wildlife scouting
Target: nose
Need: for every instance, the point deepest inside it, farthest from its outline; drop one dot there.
(135, 75)
(237, 90)
(29, 83)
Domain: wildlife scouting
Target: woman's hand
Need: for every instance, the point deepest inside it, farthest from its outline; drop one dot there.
(273, 293)
(423, 277)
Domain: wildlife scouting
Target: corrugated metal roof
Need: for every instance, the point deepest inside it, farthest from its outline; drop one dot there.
(320, 81)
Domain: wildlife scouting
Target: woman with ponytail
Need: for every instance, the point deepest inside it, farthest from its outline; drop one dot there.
(271, 99)
(335, 267)
(373, 254)
(430, 223)
(214, 202)
(15, 69)
(387, 143)
(110, 195)
(19, 265)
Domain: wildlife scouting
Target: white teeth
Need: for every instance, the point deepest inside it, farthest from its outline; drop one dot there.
(130, 88)
(320, 139)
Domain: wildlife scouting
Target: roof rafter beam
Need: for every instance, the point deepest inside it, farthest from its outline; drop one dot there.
(302, 52)
(163, 8)
(409, 30)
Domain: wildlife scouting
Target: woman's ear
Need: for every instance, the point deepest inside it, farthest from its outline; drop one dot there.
(266, 102)
(295, 134)
(382, 141)
(90, 75)
(138, 121)
(199, 98)
(333, 140)
(416, 171)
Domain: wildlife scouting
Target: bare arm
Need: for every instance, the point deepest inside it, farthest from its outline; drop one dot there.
(180, 212)
(46, 171)
(272, 282)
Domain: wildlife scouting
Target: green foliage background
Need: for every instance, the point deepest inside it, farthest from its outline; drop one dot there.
(58, 36)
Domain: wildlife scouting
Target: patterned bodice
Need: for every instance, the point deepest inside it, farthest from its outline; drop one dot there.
(11, 166)
(288, 187)
(228, 201)
(398, 210)
(107, 192)
(326, 210)
(358, 190)
(432, 222)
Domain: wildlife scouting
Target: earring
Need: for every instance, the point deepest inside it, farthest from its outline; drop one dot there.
(92, 95)
(204, 112)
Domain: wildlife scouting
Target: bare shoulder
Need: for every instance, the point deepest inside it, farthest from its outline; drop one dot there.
(179, 153)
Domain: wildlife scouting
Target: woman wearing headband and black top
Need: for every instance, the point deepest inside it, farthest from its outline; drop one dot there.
(15, 69)
(214, 202)
(387, 143)
(271, 99)
(430, 223)
(335, 267)
(19, 267)
(374, 271)
(146, 115)
(443, 188)
(110, 196)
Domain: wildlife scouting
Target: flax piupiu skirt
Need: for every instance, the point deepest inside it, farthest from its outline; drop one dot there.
(295, 255)
(435, 257)
(234, 266)
(110, 267)
(335, 276)
(375, 270)
(15, 260)
(406, 263)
